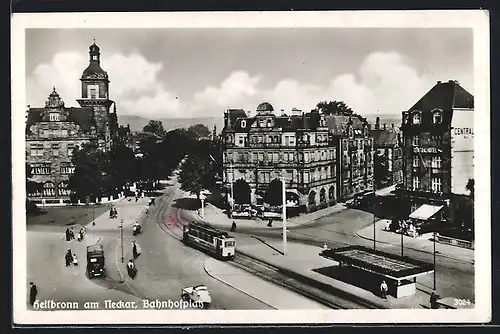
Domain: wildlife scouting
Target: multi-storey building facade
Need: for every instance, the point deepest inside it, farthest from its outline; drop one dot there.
(266, 147)
(438, 151)
(52, 132)
(351, 134)
(388, 155)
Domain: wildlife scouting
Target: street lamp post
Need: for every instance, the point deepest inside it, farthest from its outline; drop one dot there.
(202, 198)
(283, 196)
(232, 189)
(374, 241)
(121, 237)
(402, 237)
(434, 255)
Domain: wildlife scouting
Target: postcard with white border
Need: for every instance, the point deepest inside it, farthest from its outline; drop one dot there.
(245, 167)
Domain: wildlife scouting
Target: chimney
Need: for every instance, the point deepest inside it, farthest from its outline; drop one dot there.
(392, 125)
(377, 123)
(282, 112)
(384, 126)
(439, 82)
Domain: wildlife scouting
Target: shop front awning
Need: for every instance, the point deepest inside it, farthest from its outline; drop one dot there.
(425, 212)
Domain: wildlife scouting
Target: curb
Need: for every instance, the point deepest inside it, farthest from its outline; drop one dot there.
(320, 285)
(417, 250)
(232, 285)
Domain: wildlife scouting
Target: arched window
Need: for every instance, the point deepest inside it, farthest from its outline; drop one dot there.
(437, 117)
(62, 188)
(49, 189)
(331, 193)
(416, 118)
(322, 195)
(312, 198)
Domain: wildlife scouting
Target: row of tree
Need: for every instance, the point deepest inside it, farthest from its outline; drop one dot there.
(99, 173)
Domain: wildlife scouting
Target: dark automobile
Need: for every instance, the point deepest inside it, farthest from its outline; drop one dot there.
(95, 261)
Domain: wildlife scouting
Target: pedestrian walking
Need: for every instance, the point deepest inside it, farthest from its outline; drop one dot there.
(325, 247)
(233, 226)
(75, 260)
(132, 270)
(69, 258)
(270, 223)
(33, 293)
(134, 250)
(383, 289)
(433, 300)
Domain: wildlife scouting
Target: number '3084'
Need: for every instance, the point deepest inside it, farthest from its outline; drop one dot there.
(462, 302)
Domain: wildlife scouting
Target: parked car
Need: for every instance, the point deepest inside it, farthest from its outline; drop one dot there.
(198, 293)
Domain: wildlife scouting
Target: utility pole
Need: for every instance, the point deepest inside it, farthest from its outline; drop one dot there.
(121, 237)
(283, 196)
(202, 198)
(232, 190)
(434, 253)
(402, 238)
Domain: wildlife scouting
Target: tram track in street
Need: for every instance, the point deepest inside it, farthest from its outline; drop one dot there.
(319, 292)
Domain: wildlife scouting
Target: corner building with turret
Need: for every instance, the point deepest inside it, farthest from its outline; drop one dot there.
(53, 131)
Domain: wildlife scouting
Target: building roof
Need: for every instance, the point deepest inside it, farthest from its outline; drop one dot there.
(80, 116)
(384, 137)
(94, 71)
(234, 114)
(265, 107)
(94, 48)
(445, 96)
(338, 124)
(287, 123)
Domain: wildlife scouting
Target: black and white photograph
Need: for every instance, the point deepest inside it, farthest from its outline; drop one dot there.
(209, 168)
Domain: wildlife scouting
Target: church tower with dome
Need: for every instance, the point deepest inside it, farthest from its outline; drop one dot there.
(95, 94)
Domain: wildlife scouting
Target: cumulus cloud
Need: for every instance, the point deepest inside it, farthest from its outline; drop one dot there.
(239, 88)
(385, 83)
(134, 83)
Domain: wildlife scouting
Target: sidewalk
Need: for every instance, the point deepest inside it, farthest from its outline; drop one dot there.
(213, 215)
(422, 243)
(217, 217)
(275, 296)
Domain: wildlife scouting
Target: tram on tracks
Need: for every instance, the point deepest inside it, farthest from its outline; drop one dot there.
(203, 236)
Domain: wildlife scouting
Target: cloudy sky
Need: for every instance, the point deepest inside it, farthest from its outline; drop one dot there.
(182, 73)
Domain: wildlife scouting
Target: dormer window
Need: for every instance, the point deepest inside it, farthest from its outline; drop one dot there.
(243, 124)
(54, 117)
(416, 118)
(437, 117)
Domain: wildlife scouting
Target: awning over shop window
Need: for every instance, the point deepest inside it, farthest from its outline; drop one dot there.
(425, 212)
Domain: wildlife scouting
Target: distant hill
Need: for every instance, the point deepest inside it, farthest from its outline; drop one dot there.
(137, 122)
(387, 119)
